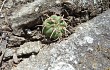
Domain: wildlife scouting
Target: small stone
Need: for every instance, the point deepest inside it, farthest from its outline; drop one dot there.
(9, 4)
(36, 9)
(29, 47)
(57, 2)
(15, 58)
(15, 41)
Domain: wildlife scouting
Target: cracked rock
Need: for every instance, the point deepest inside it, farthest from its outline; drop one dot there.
(29, 47)
(26, 48)
(15, 41)
(86, 49)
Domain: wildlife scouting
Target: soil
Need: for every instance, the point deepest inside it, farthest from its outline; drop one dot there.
(73, 14)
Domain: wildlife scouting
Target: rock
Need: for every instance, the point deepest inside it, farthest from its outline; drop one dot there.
(62, 66)
(9, 4)
(29, 47)
(22, 19)
(26, 48)
(88, 48)
(28, 18)
(15, 58)
(30, 63)
(9, 53)
(15, 41)
(21, 23)
(23, 0)
(29, 9)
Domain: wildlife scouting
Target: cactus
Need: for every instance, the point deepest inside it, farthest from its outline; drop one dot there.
(54, 27)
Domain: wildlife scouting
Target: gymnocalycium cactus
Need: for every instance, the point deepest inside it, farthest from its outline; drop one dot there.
(54, 27)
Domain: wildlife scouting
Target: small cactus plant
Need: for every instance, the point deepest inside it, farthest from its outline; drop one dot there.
(54, 27)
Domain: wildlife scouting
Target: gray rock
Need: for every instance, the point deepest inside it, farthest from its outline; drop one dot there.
(15, 41)
(21, 16)
(87, 49)
(9, 4)
(26, 48)
(25, 10)
(9, 53)
(29, 47)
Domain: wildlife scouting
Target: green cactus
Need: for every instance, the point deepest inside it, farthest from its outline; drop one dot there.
(54, 27)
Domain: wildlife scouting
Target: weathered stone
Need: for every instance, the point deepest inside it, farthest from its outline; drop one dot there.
(26, 48)
(28, 18)
(21, 18)
(88, 48)
(9, 4)
(9, 53)
(29, 47)
(15, 41)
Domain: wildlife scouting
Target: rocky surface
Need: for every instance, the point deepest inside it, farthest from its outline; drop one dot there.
(23, 46)
(26, 48)
(21, 17)
(23, 22)
(87, 49)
